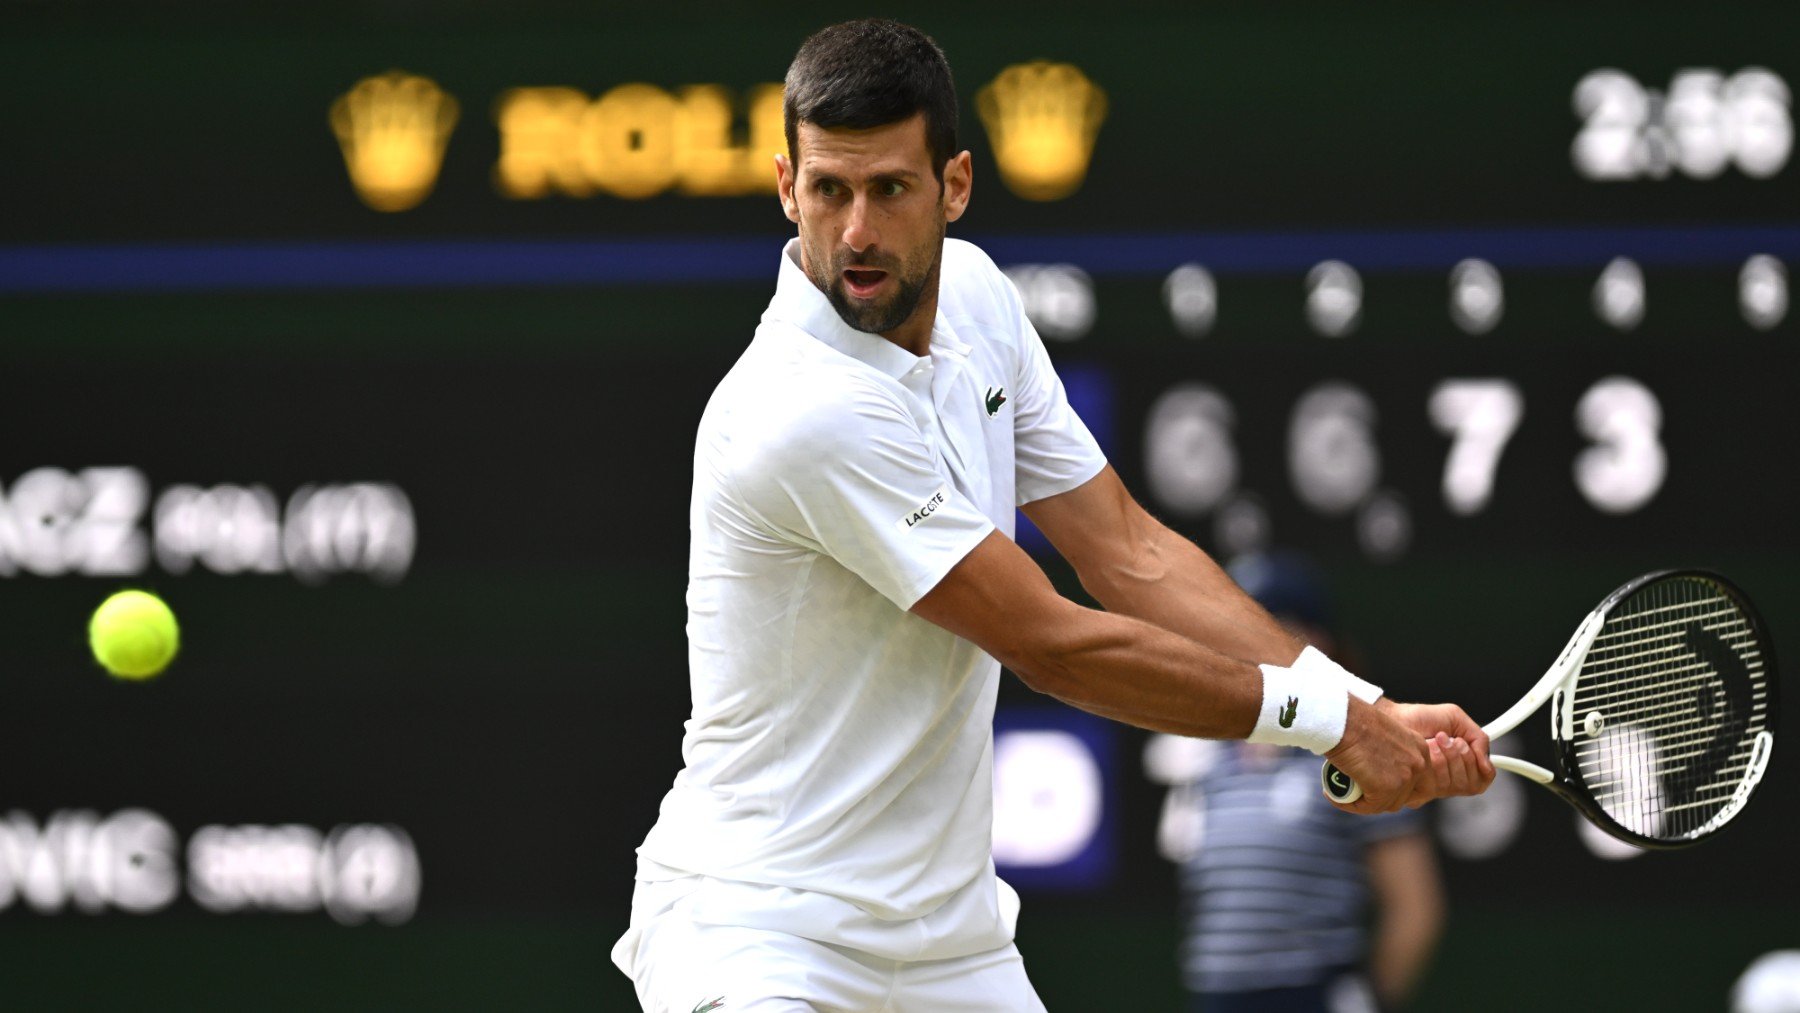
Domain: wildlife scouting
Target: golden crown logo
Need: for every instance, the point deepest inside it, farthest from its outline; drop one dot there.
(1041, 120)
(393, 129)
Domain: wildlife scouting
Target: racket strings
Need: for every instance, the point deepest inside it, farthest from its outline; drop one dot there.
(1680, 683)
(1668, 706)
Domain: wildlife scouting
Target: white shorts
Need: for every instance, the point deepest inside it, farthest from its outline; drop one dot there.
(683, 966)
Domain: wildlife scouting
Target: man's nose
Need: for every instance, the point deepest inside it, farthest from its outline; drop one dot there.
(859, 230)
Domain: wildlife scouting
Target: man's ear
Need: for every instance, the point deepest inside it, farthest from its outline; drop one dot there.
(959, 179)
(784, 188)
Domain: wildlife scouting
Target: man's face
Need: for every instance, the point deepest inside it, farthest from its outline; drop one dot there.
(872, 215)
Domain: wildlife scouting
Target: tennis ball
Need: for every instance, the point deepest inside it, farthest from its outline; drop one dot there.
(133, 635)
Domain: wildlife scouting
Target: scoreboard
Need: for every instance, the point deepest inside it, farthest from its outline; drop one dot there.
(374, 339)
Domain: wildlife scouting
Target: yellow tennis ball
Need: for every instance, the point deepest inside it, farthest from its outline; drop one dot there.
(133, 635)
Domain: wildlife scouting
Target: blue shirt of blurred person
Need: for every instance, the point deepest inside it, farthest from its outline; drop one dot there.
(1275, 884)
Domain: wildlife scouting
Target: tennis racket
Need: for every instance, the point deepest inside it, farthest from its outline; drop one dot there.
(1662, 711)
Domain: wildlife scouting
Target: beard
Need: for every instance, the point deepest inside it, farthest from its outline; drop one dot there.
(912, 279)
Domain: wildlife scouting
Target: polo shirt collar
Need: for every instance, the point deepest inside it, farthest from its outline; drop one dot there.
(799, 302)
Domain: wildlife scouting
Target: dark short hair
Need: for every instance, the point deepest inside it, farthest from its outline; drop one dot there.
(870, 73)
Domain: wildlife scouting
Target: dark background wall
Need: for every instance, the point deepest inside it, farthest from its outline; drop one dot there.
(415, 482)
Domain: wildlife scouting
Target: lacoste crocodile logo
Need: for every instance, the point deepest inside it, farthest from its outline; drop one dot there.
(996, 396)
(1286, 718)
(704, 1006)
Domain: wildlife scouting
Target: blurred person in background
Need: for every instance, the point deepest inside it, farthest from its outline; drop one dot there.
(1278, 886)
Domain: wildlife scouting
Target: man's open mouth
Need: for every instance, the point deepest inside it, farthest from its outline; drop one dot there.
(863, 282)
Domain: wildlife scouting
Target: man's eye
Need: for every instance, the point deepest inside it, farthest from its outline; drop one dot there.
(829, 189)
(893, 188)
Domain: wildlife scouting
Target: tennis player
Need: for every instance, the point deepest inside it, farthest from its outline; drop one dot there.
(853, 589)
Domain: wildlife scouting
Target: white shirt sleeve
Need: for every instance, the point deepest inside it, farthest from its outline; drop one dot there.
(854, 479)
(1052, 448)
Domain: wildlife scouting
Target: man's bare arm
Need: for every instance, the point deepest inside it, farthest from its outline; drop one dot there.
(1132, 671)
(1135, 566)
(1116, 666)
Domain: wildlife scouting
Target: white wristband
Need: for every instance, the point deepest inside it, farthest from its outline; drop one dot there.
(1301, 709)
(1314, 661)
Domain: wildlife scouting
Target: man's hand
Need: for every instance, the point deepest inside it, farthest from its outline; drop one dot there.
(1467, 770)
(1409, 754)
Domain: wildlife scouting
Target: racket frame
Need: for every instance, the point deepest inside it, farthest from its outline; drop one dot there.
(1567, 782)
(1559, 678)
(1558, 684)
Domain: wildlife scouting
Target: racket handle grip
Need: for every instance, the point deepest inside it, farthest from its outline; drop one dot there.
(1339, 786)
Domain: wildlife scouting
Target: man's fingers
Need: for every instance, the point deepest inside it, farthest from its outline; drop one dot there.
(1428, 751)
(1484, 770)
(1480, 743)
(1436, 774)
(1464, 727)
(1462, 761)
(1466, 775)
(1472, 771)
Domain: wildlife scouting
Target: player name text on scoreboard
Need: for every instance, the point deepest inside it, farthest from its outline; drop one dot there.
(90, 522)
(130, 861)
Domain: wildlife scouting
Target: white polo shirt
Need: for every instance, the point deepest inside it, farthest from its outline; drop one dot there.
(838, 764)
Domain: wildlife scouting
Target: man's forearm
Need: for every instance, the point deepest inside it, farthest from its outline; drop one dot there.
(1138, 672)
(1168, 581)
(1133, 671)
